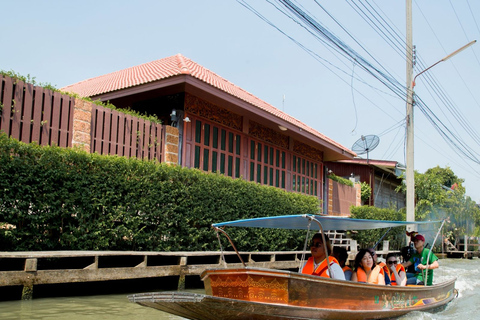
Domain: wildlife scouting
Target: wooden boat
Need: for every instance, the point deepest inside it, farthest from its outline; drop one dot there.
(256, 293)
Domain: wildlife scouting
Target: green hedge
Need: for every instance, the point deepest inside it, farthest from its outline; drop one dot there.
(368, 238)
(340, 180)
(54, 198)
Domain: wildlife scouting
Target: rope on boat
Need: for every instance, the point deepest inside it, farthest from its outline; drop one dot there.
(302, 260)
(231, 242)
(312, 218)
(430, 252)
(222, 256)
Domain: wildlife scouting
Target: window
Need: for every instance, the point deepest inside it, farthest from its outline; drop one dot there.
(267, 164)
(305, 176)
(217, 149)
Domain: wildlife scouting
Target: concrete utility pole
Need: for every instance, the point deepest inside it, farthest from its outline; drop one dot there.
(410, 179)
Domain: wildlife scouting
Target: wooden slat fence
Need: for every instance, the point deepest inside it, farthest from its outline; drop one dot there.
(30, 113)
(117, 133)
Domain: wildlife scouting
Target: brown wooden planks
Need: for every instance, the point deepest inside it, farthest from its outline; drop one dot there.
(27, 114)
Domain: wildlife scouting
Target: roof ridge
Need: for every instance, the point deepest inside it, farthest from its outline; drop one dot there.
(178, 65)
(182, 64)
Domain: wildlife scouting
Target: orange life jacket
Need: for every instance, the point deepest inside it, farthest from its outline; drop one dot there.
(347, 268)
(385, 271)
(393, 281)
(321, 269)
(384, 267)
(373, 278)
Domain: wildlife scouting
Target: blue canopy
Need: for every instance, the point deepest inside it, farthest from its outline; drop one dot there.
(301, 221)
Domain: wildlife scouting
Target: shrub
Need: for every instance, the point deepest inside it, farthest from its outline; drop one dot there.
(66, 199)
(340, 180)
(368, 238)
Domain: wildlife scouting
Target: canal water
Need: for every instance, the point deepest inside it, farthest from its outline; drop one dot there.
(117, 306)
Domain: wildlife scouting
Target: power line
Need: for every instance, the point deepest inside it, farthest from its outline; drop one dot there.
(333, 42)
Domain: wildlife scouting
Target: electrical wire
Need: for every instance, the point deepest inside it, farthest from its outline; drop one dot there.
(307, 21)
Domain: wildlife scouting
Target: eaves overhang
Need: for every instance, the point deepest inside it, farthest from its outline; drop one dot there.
(270, 116)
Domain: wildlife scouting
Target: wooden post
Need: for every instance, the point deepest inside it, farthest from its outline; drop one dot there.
(181, 278)
(30, 267)
(386, 246)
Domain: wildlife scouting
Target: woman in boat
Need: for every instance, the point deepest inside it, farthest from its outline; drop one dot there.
(397, 274)
(382, 265)
(317, 263)
(341, 254)
(366, 270)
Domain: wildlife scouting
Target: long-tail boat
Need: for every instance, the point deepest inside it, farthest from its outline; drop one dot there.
(257, 293)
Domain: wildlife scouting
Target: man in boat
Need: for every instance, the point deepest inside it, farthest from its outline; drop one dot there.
(341, 254)
(423, 260)
(317, 263)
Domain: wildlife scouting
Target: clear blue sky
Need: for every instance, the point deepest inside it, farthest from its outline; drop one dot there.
(63, 42)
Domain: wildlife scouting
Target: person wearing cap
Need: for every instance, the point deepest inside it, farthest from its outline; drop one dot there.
(423, 260)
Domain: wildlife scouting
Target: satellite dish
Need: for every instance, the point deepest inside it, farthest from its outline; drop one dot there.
(365, 144)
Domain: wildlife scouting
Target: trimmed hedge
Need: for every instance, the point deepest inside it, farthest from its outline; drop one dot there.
(341, 180)
(368, 238)
(54, 198)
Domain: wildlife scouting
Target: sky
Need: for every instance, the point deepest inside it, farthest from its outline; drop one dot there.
(279, 61)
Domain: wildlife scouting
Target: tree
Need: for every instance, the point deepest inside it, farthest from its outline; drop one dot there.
(440, 194)
(366, 192)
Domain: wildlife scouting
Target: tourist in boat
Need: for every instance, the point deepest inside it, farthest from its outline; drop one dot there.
(341, 254)
(365, 269)
(381, 264)
(317, 263)
(397, 274)
(419, 260)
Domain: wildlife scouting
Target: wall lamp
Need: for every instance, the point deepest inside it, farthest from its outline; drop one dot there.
(173, 117)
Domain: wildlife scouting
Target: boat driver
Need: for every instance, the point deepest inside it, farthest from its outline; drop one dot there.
(419, 260)
(317, 263)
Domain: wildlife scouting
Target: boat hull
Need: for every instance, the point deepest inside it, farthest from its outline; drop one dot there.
(253, 293)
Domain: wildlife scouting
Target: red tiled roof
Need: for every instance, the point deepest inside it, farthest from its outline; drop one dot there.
(180, 65)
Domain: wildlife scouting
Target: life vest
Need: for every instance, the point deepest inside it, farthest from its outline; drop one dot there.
(321, 269)
(347, 268)
(399, 268)
(373, 278)
(386, 272)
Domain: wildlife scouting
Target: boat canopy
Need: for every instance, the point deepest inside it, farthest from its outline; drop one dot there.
(301, 221)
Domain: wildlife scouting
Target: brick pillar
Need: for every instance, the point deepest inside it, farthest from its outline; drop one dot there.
(358, 190)
(82, 123)
(330, 196)
(171, 145)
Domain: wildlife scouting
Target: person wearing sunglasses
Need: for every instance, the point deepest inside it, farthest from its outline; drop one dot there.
(317, 263)
(397, 274)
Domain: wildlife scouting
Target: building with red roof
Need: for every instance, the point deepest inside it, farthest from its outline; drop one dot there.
(221, 127)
